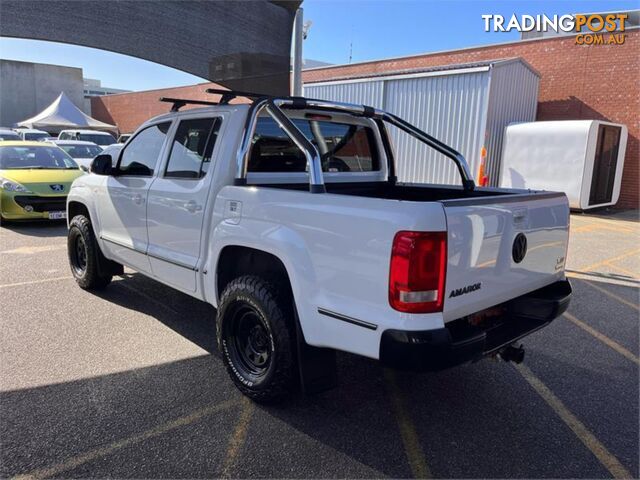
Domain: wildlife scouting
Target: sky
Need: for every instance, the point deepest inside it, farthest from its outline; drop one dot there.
(341, 31)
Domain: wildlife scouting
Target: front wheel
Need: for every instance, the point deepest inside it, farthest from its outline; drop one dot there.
(255, 339)
(84, 254)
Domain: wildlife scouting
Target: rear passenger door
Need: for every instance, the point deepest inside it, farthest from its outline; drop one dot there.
(178, 200)
(123, 204)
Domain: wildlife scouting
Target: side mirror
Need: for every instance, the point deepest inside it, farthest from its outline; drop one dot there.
(102, 165)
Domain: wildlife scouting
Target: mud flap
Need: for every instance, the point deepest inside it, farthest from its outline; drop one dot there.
(317, 367)
(106, 266)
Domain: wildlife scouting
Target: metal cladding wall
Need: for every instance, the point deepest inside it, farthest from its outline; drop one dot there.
(464, 106)
(513, 99)
(450, 108)
(368, 93)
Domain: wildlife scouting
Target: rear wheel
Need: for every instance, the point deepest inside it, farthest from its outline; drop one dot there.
(255, 339)
(84, 255)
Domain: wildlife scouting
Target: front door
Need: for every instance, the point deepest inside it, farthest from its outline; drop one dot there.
(604, 166)
(123, 204)
(177, 202)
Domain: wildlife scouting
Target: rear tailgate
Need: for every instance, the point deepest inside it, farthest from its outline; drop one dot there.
(486, 238)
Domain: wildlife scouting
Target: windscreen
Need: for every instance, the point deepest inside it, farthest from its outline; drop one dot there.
(9, 136)
(99, 139)
(34, 136)
(343, 147)
(42, 158)
(81, 151)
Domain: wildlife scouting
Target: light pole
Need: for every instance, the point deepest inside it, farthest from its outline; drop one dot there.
(298, 35)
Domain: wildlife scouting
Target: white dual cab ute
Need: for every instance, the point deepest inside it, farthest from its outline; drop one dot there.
(286, 215)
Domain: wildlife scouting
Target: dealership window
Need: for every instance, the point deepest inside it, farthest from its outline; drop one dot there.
(343, 147)
(192, 147)
(140, 156)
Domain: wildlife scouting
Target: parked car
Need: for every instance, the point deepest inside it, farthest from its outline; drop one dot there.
(124, 137)
(31, 134)
(47, 139)
(99, 138)
(8, 134)
(34, 180)
(286, 216)
(82, 152)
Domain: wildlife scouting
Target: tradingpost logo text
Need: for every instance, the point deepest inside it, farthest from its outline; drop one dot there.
(591, 29)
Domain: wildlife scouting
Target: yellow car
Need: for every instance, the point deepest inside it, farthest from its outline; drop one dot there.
(34, 180)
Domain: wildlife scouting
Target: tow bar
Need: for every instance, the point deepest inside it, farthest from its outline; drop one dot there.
(512, 353)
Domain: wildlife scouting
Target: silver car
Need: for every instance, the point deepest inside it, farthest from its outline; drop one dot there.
(82, 152)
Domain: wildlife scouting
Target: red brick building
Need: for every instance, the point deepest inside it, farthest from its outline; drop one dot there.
(577, 82)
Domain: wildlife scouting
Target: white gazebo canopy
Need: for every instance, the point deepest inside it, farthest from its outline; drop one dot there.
(63, 114)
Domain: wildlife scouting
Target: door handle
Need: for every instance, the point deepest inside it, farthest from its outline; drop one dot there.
(137, 199)
(192, 206)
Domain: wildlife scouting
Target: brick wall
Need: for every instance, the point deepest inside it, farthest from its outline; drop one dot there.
(129, 110)
(600, 82)
(578, 82)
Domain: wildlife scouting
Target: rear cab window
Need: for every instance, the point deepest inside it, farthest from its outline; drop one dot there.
(348, 147)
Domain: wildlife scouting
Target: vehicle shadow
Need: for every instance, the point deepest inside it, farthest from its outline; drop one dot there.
(466, 406)
(155, 422)
(187, 316)
(481, 420)
(178, 420)
(336, 418)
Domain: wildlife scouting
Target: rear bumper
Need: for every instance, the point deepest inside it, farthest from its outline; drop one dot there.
(460, 342)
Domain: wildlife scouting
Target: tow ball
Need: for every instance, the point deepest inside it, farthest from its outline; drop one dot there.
(512, 353)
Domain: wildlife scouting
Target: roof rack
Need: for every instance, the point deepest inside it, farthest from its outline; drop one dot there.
(228, 95)
(178, 103)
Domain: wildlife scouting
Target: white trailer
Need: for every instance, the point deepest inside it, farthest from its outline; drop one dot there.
(583, 158)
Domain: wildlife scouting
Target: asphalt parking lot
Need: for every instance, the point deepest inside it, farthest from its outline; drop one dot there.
(126, 383)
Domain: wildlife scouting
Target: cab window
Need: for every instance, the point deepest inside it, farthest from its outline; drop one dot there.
(343, 147)
(192, 147)
(140, 156)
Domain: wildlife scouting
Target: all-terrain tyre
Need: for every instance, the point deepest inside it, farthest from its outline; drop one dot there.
(85, 255)
(256, 338)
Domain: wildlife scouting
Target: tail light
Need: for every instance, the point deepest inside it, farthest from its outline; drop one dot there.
(418, 271)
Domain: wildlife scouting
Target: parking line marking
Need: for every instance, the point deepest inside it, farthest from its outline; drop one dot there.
(603, 338)
(608, 278)
(239, 437)
(410, 440)
(81, 459)
(635, 251)
(614, 296)
(599, 220)
(633, 275)
(36, 249)
(591, 228)
(606, 458)
(33, 282)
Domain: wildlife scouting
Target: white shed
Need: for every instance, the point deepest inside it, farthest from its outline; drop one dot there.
(466, 106)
